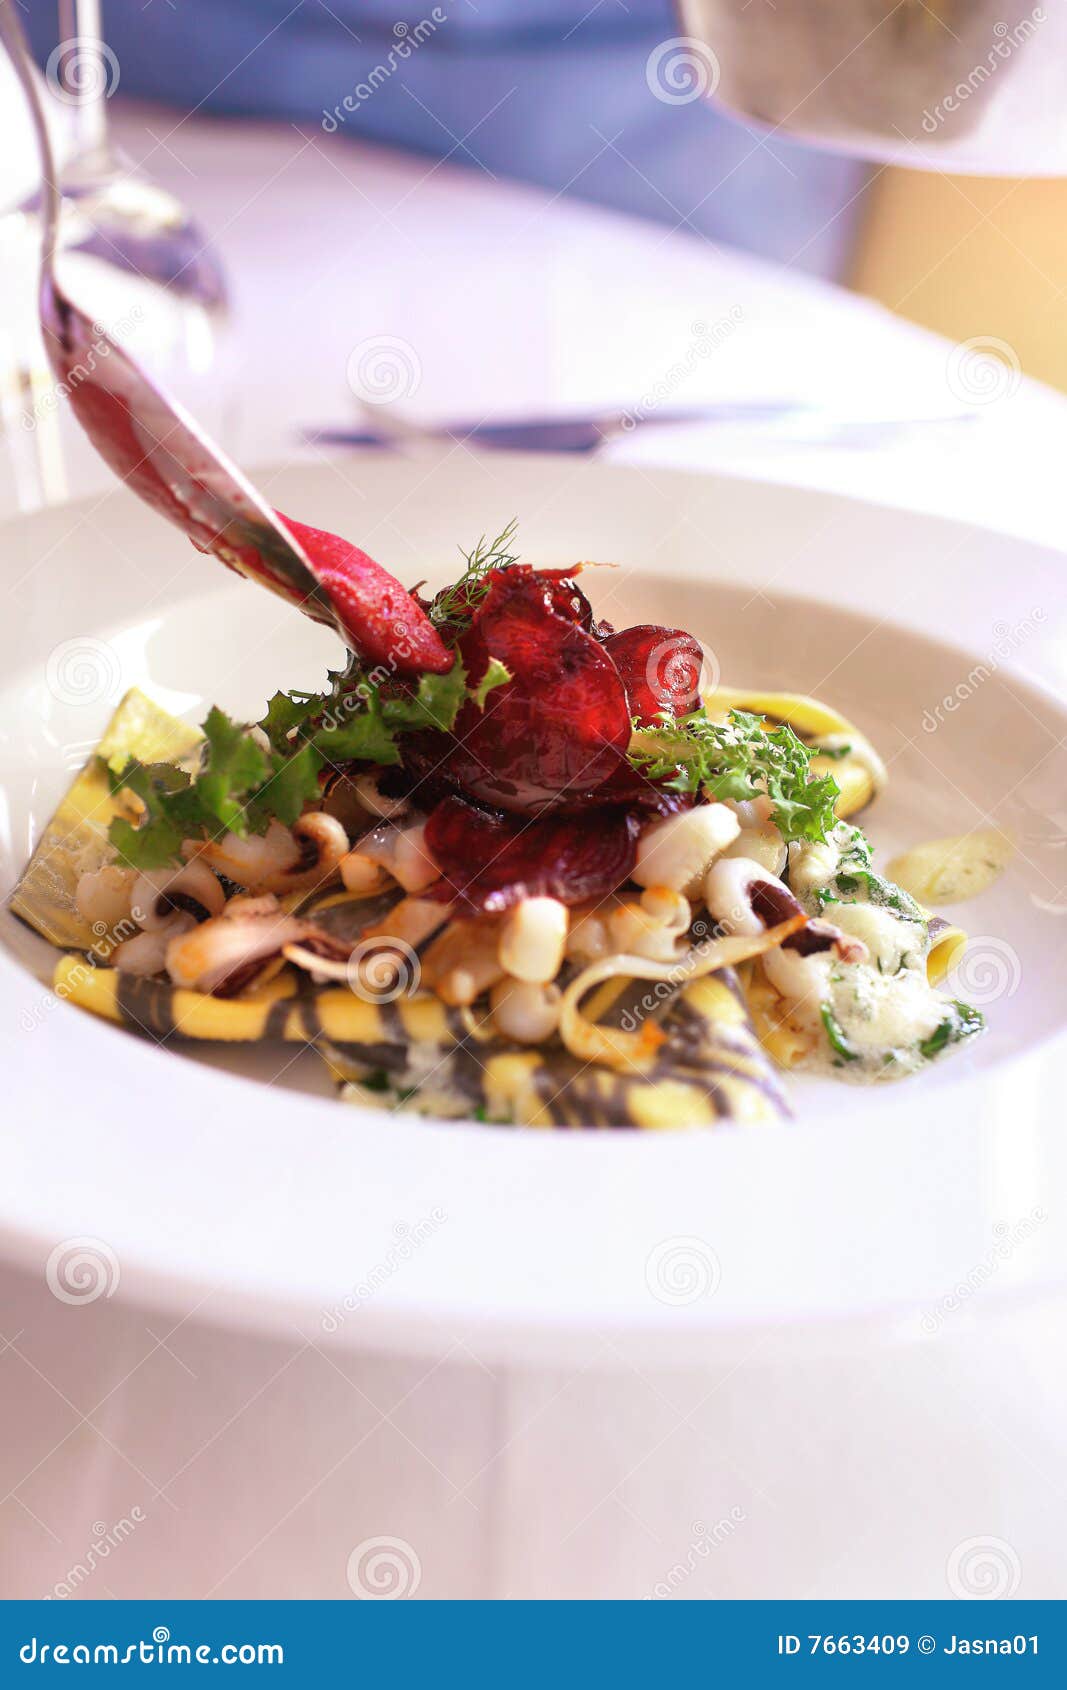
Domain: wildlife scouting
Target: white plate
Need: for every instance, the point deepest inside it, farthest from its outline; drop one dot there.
(197, 1177)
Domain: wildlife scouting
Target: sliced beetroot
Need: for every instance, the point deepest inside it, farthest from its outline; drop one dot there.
(660, 668)
(567, 598)
(561, 725)
(384, 622)
(490, 862)
(633, 787)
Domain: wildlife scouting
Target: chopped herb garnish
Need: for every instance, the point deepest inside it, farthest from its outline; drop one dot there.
(837, 1039)
(740, 759)
(962, 1023)
(495, 676)
(856, 880)
(243, 785)
(240, 787)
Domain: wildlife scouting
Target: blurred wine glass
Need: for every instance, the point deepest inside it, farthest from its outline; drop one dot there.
(129, 253)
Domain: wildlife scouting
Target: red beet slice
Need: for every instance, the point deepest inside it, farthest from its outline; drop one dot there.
(567, 597)
(384, 622)
(489, 862)
(560, 726)
(660, 668)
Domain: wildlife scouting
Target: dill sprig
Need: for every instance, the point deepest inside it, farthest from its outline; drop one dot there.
(456, 604)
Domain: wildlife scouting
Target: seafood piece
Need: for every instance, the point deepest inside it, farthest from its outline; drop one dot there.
(146, 953)
(160, 896)
(676, 852)
(102, 895)
(532, 940)
(525, 1010)
(225, 954)
(397, 852)
(300, 858)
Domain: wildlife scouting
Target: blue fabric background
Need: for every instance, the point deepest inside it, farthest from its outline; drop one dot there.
(561, 70)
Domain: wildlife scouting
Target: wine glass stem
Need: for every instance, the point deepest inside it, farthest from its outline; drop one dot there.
(79, 22)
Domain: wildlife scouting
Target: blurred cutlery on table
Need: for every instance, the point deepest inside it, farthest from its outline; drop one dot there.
(791, 420)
